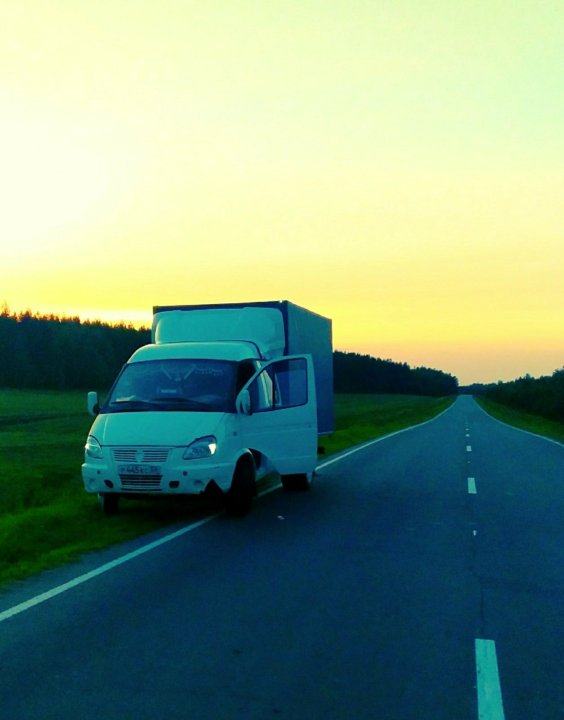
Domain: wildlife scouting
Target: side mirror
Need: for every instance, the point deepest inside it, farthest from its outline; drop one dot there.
(243, 403)
(92, 403)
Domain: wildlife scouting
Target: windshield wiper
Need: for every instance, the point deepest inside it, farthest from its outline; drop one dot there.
(132, 401)
(188, 402)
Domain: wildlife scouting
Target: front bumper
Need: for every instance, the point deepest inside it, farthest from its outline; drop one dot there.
(174, 476)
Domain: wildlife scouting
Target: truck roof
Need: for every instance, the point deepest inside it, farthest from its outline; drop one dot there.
(226, 350)
(261, 326)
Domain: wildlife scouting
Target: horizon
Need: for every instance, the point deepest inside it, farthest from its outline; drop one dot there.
(397, 169)
(139, 321)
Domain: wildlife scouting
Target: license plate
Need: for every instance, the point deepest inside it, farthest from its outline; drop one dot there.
(138, 469)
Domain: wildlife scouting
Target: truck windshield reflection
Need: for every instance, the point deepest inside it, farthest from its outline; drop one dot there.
(175, 385)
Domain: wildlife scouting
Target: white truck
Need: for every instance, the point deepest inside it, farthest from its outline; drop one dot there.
(222, 396)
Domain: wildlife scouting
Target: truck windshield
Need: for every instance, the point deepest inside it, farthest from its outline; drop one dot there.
(175, 385)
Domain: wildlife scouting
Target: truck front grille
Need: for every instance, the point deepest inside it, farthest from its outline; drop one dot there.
(141, 454)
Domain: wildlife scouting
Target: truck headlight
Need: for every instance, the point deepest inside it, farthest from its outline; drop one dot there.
(201, 448)
(93, 449)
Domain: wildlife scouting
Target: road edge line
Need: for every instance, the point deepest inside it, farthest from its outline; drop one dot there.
(345, 453)
(342, 454)
(514, 427)
(85, 577)
(59, 589)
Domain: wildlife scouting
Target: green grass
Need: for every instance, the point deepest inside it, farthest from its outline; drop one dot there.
(526, 421)
(47, 519)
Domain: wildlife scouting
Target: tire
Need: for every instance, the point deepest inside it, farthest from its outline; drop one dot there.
(297, 483)
(109, 503)
(239, 497)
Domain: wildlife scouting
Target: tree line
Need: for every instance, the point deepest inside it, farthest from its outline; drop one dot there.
(54, 353)
(541, 396)
(64, 353)
(354, 373)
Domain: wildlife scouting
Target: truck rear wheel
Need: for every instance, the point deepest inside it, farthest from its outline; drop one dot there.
(298, 482)
(239, 497)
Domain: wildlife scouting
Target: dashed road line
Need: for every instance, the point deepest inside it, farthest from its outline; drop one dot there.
(469, 448)
(490, 702)
(472, 486)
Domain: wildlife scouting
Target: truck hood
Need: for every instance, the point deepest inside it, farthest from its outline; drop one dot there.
(154, 428)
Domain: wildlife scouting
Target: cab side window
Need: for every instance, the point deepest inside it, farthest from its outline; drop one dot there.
(280, 385)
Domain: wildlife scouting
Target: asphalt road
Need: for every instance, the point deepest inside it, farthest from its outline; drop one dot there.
(422, 578)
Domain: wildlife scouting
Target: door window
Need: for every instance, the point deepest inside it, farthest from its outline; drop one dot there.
(282, 384)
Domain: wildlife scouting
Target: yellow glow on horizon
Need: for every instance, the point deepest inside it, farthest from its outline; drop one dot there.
(397, 168)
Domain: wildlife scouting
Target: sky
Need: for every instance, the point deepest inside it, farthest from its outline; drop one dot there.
(395, 165)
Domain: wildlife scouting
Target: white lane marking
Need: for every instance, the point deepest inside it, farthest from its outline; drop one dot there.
(354, 450)
(17, 609)
(514, 427)
(469, 448)
(490, 703)
(380, 439)
(270, 489)
(38, 599)
(472, 486)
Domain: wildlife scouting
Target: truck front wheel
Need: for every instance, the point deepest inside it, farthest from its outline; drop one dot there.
(239, 497)
(297, 482)
(109, 503)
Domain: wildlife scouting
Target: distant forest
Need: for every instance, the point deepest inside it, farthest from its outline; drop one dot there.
(50, 352)
(355, 373)
(540, 396)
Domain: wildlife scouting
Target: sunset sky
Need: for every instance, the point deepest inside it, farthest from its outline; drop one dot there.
(396, 165)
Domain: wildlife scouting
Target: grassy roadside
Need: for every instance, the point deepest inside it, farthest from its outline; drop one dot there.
(47, 519)
(533, 423)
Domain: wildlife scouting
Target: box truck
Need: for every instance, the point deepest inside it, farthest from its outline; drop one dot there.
(222, 396)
